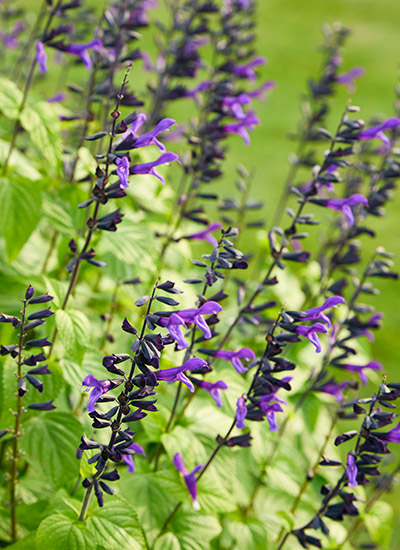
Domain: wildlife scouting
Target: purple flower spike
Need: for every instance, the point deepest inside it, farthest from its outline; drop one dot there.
(151, 137)
(241, 411)
(359, 369)
(316, 313)
(81, 50)
(149, 167)
(348, 78)
(343, 205)
(206, 234)
(311, 334)
(99, 387)
(190, 479)
(351, 471)
(177, 373)
(213, 389)
(41, 57)
(123, 171)
(246, 70)
(235, 357)
(128, 459)
(377, 131)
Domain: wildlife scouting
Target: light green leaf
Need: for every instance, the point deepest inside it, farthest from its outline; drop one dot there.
(42, 124)
(143, 490)
(167, 542)
(86, 164)
(195, 531)
(118, 525)
(10, 98)
(288, 519)
(60, 531)
(379, 523)
(21, 204)
(87, 470)
(50, 442)
(19, 162)
(27, 543)
(74, 332)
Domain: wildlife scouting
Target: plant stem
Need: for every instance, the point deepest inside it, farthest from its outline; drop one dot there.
(17, 434)
(92, 227)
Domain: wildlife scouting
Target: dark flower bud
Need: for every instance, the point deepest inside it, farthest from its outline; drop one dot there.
(41, 343)
(22, 387)
(29, 293)
(35, 382)
(345, 437)
(44, 406)
(41, 299)
(42, 314)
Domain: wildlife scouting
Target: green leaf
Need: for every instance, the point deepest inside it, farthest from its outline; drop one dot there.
(144, 490)
(10, 98)
(27, 543)
(379, 523)
(74, 331)
(61, 532)
(195, 531)
(85, 469)
(118, 524)
(42, 124)
(288, 519)
(21, 204)
(50, 442)
(167, 542)
(19, 162)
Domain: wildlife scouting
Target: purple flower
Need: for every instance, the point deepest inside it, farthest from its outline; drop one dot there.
(351, 471)
(348, 78)
(241, 411)
(56, 98)
(177, 373)
(316, 313)
(235, 357)
(343, 205)
(259, 93)
(269, 409)
(377, 131)
(151, 137)
(246, 70)
(311, 333)
(213, 389)
(128, 459)
(149, 167)
(333, 388)
(81, 50)
(234, 104)
(240, 128)
(123, 171)
(205, 235)
(41, 57)
(99, 388)
(392, 435)
(190, 479)
(359, 369)
(10, 40)
(189, 316)
(205, 85)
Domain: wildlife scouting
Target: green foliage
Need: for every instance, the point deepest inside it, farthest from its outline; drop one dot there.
(21, 202)
(50, 442)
